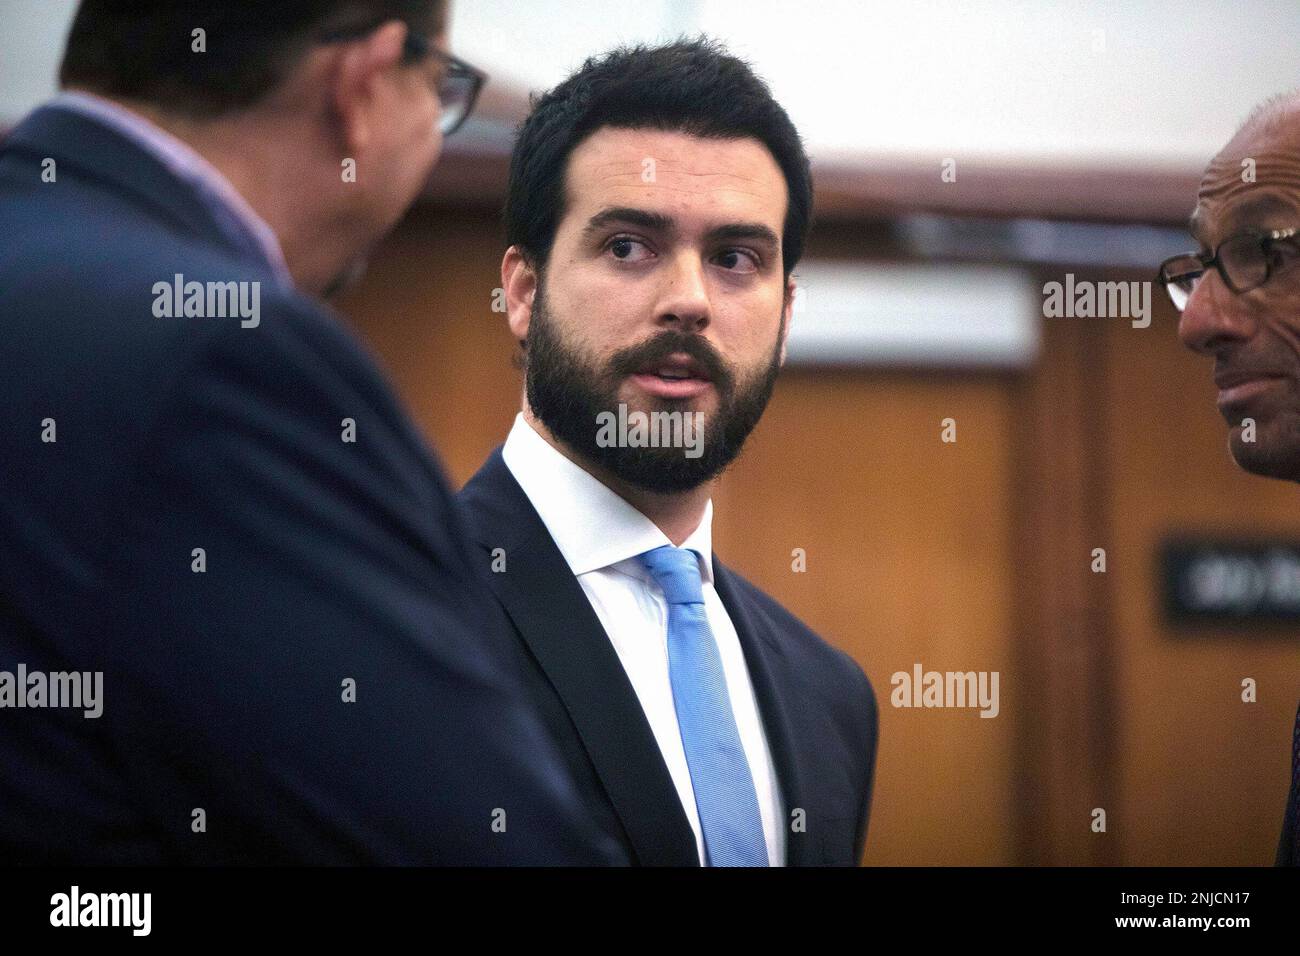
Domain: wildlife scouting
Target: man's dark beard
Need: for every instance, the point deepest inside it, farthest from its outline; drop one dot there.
(567, 394)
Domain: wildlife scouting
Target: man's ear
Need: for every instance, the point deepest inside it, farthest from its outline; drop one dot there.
(519, 281)
(361, 83)
(787, 311)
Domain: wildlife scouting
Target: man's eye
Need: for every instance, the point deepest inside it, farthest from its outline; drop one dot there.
(738, 260)
(628, 250)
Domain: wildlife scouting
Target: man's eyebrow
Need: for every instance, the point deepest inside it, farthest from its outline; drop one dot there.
(745, 230)
(632, 216)
(629, 215)
(1241, 218)
(1258, 215)
(1257, 209)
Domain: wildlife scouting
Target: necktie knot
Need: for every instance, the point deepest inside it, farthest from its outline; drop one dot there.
(677, 571)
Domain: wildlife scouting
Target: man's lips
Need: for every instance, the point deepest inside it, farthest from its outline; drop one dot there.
(677, 376)
(671, 388)
(1237, 388)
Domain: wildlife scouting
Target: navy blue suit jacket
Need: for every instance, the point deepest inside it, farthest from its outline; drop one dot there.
(1289, 842)
(225, 735)
(817, 707)
(1286, 844)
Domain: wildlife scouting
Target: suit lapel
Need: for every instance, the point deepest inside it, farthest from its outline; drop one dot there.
(555, 619)
(766, 664)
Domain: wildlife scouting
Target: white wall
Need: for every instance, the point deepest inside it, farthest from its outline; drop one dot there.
(1161, 82)
(31, 43)
(1151, 82)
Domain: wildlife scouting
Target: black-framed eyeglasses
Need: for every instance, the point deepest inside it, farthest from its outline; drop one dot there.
(459, 86)
(1244, 261)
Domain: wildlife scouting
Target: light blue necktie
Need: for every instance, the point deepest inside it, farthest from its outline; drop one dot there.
(720, 776)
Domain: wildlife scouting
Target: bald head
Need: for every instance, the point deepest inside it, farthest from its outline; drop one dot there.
(1272, 116)
(1276, 117)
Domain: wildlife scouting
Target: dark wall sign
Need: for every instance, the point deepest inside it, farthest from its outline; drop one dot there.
(1231, 582)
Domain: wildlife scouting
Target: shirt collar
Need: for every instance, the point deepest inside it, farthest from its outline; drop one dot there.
(184, 162)
(591, 525)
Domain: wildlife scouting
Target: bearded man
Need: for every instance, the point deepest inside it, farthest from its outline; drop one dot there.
(658, 201)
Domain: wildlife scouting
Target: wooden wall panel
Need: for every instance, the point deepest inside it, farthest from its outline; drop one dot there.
(425, 307)
(908, 547)
(1065, 758)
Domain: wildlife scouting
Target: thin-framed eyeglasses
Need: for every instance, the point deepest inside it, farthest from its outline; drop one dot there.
(458, 87)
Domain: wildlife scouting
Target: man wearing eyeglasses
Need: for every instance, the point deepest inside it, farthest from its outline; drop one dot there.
(214, 509)
(1239, 299)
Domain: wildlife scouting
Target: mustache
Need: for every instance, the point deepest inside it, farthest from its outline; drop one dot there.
(669, 342)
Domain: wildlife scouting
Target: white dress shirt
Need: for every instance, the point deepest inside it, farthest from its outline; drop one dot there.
(600, 535)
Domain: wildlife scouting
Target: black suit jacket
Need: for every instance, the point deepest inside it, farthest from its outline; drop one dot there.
(817, 707)
(325, 561)
(1286, 844)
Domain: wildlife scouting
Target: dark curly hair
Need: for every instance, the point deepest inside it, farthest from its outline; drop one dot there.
(689, 86)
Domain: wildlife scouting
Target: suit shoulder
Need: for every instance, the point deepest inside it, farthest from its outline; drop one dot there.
(108, 304)
(97, 348)
(832, 671)
(492, 499)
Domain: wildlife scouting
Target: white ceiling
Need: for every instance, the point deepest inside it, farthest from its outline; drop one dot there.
(1127, 84)
(1162, 82)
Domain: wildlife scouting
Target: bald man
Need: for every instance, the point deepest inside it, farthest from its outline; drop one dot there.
(1240, 304)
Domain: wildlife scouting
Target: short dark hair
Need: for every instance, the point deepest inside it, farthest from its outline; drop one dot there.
(142, 49)
(689, 86)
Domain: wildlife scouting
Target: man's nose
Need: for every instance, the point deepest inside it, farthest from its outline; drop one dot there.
(685, 303)
(1215, 317)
